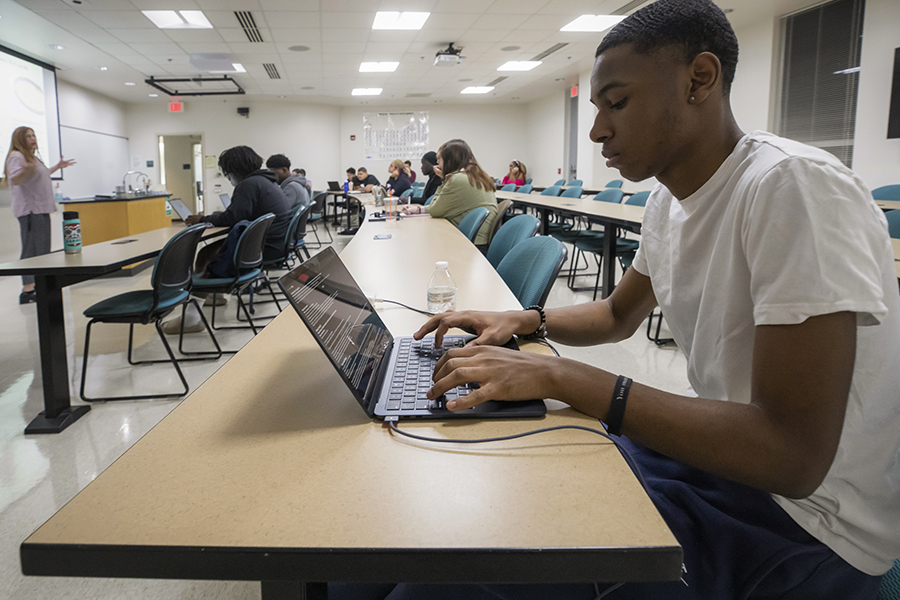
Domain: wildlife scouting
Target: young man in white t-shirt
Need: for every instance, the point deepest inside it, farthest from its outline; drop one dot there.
(774, 269)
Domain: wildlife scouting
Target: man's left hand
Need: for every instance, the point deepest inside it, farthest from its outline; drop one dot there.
(193, 219)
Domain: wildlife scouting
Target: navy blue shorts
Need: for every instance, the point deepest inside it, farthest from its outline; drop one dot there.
(738, 544)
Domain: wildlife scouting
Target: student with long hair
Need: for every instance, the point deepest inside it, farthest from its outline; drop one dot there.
(32, 198)
(398, 182)
(465, 186)
(517, 173)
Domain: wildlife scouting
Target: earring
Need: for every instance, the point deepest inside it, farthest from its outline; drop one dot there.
(691, 99)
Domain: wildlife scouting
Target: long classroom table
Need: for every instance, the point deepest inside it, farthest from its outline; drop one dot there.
(271, 471)
(896, 244)
(52, 272)
(610, 215)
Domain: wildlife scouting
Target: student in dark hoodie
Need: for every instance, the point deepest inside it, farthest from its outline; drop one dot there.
(255, 194)
(294, 186)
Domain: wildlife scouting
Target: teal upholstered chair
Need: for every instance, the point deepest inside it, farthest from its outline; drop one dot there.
(504, 208)
(887, 192)
(560, 182)
(512, 232)
(407, 193)
(509, 187)
(638, 199)
(531, 267)
(528, 180)
(575, 182)
(293, 248)
(890, 583)
(572, 192)
(418, 191)
(525, 189)
(590, 241)
(248, 261)
(615, 183)
(472, 222)
(553, 190)
(430, 198)
(893, 219)
(171, 282)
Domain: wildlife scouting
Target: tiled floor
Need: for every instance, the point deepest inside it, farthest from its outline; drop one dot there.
(39, 474)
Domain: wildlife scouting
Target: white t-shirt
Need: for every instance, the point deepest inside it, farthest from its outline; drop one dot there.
(780, 233)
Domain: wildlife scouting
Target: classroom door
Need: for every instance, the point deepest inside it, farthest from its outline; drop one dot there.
(179, 170)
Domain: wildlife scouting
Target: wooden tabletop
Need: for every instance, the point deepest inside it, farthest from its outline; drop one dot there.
(103, 257)
(270, 470)
(896, 244)
(888, 204)
(624, 214)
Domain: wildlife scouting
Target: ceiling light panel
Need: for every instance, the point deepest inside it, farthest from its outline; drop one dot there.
(182, 19)
(378, 67)
(366, 91)
(592, 23)
(519, 65)
(400, 20)
(474, 89)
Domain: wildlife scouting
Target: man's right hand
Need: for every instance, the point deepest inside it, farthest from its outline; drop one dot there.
(193, 219)
(491, 328)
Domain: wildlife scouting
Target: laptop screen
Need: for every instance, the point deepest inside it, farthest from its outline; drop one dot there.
(180, 208)
(334, 186)
(226, 200)
(340, 318)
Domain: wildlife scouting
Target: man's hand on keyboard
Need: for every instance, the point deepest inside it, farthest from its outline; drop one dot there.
(491, 328)
(502, 374)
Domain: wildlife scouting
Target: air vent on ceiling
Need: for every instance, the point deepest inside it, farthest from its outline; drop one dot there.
(418, 95)
(550, 51)
(248, 24)
(498, 80)
(624, 10)
(272, 70)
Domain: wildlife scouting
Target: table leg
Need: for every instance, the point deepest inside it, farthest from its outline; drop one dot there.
(349, 230)
(545, 221)
(608, 274)
(58, 413)
(294, 590)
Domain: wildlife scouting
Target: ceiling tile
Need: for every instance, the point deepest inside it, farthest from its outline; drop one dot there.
(281, 19)
(386, 48)
(337, 35)
(233, 35)
(305, 5)
(222, 19)
(116, 48)
(499, 22)
(296, 36)
(141, 36)
(195, 36)
(229, 4)
(343, 47)
(253, 48)
(119, 18)
(213, 48)
(514, 7)
(545, 22)
(348, 20)
(166, 4)
(168, 48)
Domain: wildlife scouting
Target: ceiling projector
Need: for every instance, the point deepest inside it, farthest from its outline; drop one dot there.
(448, 57)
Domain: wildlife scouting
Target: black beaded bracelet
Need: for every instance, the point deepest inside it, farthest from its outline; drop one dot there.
(541, 331)
(617, 406)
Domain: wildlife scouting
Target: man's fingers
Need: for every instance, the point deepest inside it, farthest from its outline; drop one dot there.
(473, 398)
(453, 379)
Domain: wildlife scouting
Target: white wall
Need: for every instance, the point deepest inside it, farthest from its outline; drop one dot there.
(497, 134)
(309, 134)
(753, 81)
(545, 120)
(876, 158)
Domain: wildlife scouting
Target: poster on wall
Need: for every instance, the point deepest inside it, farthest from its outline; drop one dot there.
(389, 136)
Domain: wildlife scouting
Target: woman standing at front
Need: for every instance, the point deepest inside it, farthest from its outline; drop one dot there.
(465, 186)
(32, 199)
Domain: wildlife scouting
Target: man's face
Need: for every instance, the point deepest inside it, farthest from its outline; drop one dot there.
(362, 174)
(281, 173)
(640, 118)
(350, 175)
(427, 167)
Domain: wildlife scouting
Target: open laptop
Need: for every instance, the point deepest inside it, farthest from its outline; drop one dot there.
(225, 199)
(178, 206)
(388, 376)
(334, 186)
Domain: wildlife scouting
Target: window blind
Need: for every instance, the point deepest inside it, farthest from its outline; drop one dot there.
(821, 76)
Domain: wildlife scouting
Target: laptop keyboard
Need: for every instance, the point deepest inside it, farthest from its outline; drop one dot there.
(412, 375)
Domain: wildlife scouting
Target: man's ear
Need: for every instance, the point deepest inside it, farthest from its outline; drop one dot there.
(706, 76)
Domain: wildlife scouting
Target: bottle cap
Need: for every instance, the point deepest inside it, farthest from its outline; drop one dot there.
(441, 264)
(69, 215)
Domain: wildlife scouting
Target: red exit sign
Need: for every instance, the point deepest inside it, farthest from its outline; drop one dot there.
(176, 106)
(573, 93)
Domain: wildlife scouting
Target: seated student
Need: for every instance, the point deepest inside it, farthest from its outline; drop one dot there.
(351, 177)
(294, 186)
(429, 161)
(517, 174)
(398, 181)
(365, 181)
(255, 194)
(774, 269)
(308, 180)
(466, 186)
(409, 171)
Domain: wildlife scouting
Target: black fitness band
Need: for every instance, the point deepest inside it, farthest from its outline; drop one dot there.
(617, 406)
(541, 331)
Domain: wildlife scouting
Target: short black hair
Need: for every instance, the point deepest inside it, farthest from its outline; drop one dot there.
(278, 161)
(694, 26)
(351, 170)
(364, 170)
(240, 161)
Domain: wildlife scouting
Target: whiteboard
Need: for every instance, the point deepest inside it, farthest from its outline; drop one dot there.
(101, 161)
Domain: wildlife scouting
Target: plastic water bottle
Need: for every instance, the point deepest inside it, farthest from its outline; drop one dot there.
(71, 232)
(441, 289)
(57, 195)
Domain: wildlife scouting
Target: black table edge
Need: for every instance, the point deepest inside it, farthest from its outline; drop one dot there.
(483, 565)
